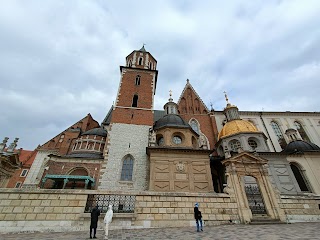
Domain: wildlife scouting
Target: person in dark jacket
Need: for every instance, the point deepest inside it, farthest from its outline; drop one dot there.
(198, 217)
(95, 213)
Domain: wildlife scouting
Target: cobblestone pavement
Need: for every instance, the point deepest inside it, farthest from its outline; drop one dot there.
(252, 232)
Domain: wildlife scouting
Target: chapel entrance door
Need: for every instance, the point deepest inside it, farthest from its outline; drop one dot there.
(254, 196)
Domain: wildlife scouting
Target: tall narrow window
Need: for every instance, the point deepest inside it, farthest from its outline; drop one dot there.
(138, 80)
(279, 134)
(298, 174)
(150, 65)
(130, 63)
(24, 173)
(140, 61)
(195, 126)
(127, 168)
(135, 101)
(301, 130)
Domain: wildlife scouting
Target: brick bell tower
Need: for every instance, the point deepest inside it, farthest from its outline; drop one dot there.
(134, 103)
(125, 166)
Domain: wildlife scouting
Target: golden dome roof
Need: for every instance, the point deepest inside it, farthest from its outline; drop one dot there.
(236, 126)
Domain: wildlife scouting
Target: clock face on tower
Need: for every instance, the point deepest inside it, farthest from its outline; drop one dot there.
(177, 140)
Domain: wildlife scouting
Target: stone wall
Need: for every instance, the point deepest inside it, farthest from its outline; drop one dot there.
(41, 210)
(126, 139)
(177, 209)
(301, 208)
(25, 210)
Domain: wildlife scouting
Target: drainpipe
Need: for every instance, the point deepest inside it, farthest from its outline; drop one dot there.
(265, 127)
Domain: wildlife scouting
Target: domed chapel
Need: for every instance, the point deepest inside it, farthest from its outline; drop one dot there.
(258, 158)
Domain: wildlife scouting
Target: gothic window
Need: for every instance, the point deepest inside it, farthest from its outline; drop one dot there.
(127, 168)
(138, 80)
(150, 65)
(195, 126)
(130, 63)
(298, 174)
(301, 130)
(279, 134)
(140, 61)
(235, 145)
(135, 101)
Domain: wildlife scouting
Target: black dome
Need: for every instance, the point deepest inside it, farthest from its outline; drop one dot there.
(171, 120)
(96, 131)
(301, 146)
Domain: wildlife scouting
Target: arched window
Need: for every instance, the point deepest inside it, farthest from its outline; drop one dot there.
(127, 168)
(135, 101)
(138, 80)
(150, 65)
(298, 174)
(130, 63)
(279, 134)
(301, 130)
(90, 146)
(140, 61)
(195, 126)
(235, 145)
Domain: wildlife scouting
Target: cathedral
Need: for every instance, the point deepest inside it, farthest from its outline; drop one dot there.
(256, 157)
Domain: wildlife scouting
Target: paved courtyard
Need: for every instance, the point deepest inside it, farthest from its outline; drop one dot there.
(252, 232)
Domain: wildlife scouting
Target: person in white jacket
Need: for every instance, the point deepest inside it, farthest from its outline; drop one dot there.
(107, 220)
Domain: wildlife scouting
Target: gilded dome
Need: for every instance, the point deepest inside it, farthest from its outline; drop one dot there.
(236, 126)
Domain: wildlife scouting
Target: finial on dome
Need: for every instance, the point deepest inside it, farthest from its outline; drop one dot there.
(170, 96)
(187, 80)
(225, 95)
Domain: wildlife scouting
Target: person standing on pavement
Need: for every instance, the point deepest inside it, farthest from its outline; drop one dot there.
(198, 217)
(95, 213)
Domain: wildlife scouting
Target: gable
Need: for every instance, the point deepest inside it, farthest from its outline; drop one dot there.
(190, 102)
(66, 138)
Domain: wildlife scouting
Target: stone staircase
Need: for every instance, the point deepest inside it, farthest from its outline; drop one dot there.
(262, 219)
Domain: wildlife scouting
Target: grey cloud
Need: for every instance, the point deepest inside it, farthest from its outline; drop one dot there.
(60, 59)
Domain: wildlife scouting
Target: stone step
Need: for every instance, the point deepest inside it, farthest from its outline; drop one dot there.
(264, 219)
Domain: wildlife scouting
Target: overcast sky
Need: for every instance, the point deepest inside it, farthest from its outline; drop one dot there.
(59, 60)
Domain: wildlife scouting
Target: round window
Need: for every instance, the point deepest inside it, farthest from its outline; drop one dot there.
(177, 140)
(252, 143)
(234, 145)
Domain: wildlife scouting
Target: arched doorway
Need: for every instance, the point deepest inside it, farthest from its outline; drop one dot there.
(255, 199)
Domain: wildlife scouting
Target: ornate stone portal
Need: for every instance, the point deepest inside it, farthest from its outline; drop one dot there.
(246, 164)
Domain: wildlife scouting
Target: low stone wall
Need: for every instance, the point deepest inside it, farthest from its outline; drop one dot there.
(41, 210)
(177, 209)
(301, 208)
(26, 210)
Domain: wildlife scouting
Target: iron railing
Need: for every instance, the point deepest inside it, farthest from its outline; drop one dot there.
(120, 203)
(255, 199)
